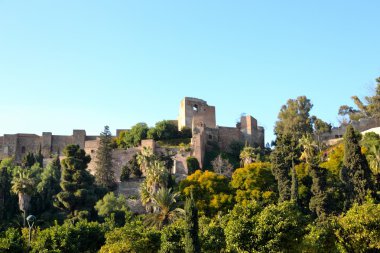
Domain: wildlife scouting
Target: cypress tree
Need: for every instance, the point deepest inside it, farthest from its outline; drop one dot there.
(283, 159)
(319, 201)
(104, 174)
(192, 244)
(355, 174)
(39, 158)
(77, 184)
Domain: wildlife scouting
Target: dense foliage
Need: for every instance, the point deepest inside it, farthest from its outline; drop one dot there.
(302, 196)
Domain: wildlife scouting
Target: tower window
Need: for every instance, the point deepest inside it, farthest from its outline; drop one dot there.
(195, 108)
(23, 150)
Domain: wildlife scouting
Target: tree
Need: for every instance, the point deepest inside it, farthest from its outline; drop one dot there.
(104, 173)
(355, 174)
(77, 184)
(283, 161)
(192, 244)
(359, 229)
(192, 164)
(111, 206)
(145, 158)
(23, 185)
(369, 109)
(133, 137)
(39, 158)
(254, 182)
(294, 118)
(247, 156)
(49, 185)
(156, 178)
(80, 237)
(164, 130)
(165, 211)
(222, 166)
(29, 160)
(374, 162)
(319, 201)
(131, 168)
(211, 191)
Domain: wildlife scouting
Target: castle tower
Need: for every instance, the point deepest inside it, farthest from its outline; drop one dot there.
(191, 107)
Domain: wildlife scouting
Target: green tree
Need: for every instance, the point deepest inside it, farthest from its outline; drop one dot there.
(355, 174)
(254, 182)
(211, 191)
(104, 173)
(320, 236)
(131, 168)
(164, 130)
(133, 137)
(39, 158)
(294, 118)
(164, 208)
(247, 156)
(319, 201)
(134, 237)
(369, 109)
(192, 244)
(212, 235)
(28, 160)
(23, 185)
(110, 204)
(192, 164)
(11, 241)
(68, 238)
(282, 159)
(77, 184)
(49, 185)
(359, 229)
(145, 158)
(156, 178)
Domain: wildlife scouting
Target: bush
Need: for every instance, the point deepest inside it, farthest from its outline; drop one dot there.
(82, 237)
(192, 165)
(11, 241)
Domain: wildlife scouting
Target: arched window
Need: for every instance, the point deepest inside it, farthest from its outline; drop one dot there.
(23, 150)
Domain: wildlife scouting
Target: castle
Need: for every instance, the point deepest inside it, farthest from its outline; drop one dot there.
(193, 113)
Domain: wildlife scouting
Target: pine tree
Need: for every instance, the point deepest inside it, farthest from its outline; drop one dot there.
(104, 174)
(77, 184)
(192, 244)
(355, 174)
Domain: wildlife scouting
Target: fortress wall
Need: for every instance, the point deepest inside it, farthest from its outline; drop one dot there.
(27, 143)
(227, 135)
(59, 142)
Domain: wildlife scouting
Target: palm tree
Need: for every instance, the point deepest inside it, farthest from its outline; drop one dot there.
(23, 186)
(374, 162)
(164, 201)
(145, 158)
(310, 150)
(247, 156)
(156, 177)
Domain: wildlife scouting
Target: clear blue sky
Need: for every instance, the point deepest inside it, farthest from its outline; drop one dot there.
(85, 64)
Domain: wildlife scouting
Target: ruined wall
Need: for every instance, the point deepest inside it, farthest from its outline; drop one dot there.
(198, 142)
(227, 135)
(191, 107)
(27, 143)
(59, 142)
